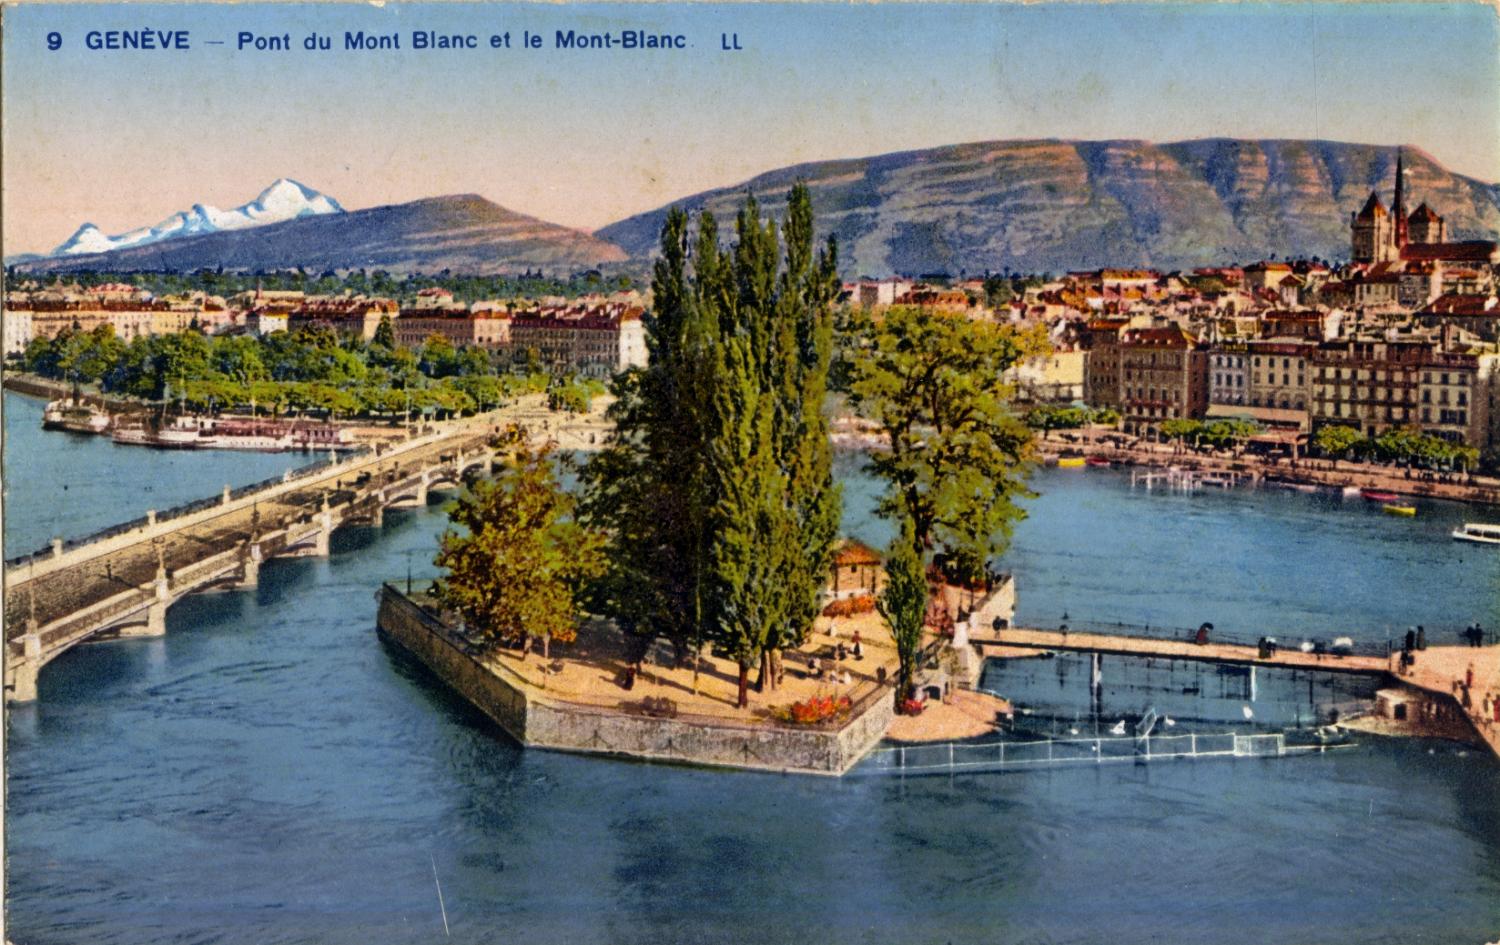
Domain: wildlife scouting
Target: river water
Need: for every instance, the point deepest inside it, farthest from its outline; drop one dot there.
(269, 771)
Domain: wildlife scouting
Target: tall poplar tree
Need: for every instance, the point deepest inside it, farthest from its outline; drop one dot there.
(717, 485)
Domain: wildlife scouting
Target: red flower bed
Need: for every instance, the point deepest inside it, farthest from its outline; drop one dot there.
(849, 606)
(815, 710)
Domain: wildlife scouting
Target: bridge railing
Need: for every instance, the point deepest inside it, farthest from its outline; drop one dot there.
(1284, 639)
(178, 511)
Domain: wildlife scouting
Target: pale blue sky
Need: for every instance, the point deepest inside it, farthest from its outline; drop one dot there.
(586, 137)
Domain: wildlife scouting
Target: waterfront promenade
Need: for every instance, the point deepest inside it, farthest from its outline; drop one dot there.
(1321, 472)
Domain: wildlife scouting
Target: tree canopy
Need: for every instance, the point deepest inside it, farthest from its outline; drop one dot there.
(515, 569)
(956, 454)
(716, 486)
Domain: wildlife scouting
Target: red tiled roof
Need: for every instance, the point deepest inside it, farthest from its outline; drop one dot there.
(854, 552)
(1453, 303)
(1159, 338)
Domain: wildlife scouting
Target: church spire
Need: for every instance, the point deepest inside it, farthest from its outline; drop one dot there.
(1399, 209)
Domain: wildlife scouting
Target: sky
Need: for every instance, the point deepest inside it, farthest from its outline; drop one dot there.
(124, 138)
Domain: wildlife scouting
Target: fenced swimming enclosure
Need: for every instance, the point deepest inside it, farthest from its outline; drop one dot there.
(956, 757)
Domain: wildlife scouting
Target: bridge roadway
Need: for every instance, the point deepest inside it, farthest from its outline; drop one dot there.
(122, 583)
(1126, 645)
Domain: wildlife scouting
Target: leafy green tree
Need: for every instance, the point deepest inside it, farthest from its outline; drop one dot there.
(517, 557)
(1182, 429)
(238, 357)
(998, 291)
(1223, 433)
(385, 334)
(439, 358)
(1058, 417)
(956, 455)
(903, 603)
(41, 356)
(1336, 441)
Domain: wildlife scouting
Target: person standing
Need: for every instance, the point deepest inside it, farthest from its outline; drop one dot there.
(1469, 677)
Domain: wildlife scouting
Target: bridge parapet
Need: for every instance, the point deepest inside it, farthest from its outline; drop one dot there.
(46, 561)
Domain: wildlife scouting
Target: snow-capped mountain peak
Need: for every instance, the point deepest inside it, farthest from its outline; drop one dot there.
(285, 199)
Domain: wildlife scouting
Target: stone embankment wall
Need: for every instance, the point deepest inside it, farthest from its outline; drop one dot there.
(534, 718)
(34, 386)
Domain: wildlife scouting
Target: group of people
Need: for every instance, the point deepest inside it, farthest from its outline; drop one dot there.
(1416, 639)
(841, 652)
(1474, 635)
(1489, 713)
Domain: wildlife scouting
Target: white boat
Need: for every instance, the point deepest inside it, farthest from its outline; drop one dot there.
(267, 436)
(75, 416)
(1478, 532)
(133, 436)
(182, 434)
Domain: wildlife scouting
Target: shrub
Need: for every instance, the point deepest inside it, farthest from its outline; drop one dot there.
(815, 710)
(849, 606)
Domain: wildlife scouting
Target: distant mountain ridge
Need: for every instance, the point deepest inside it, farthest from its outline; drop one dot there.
(1027, 206)
(463, 233)
(285, 199)
(1052, 205)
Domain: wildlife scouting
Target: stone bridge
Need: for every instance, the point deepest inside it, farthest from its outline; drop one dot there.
(120, 582)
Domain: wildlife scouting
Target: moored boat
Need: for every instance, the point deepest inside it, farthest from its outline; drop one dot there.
(1406, 511)
(1379, 495)
(268, 436)
(131, 436)
(75, 416)
(1096, 461)
(1478, 532)
(1070, 462)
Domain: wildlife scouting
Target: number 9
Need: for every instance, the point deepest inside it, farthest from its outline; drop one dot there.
(54, 41)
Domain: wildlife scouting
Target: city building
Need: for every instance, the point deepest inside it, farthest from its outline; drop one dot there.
(1163, 376)
(1227, 375)
(593, 340)
(1370, 384)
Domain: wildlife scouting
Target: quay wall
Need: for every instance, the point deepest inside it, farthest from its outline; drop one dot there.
(534, 719)
(32, 385)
